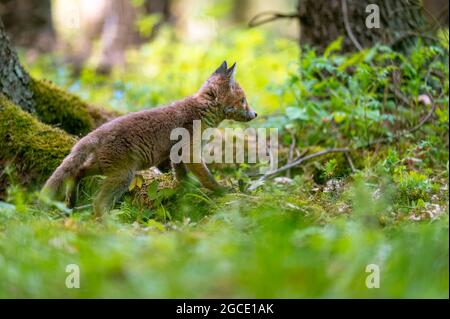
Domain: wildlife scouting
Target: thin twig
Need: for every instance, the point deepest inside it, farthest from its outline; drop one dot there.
(398, 94)
(425, 118)
(348, 27)
(269, 16)
(350, 162)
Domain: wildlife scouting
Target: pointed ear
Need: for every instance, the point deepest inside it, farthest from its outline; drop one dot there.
(231, 73)
(222, 69)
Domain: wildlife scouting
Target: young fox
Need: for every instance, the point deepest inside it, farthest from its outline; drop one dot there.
(140, 140)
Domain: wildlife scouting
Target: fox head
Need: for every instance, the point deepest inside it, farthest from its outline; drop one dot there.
(222, 89)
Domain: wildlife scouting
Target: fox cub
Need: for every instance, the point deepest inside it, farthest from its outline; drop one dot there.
(140, 140)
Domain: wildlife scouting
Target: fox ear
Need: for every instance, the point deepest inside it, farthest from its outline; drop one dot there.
(222, 69)
(231, 73)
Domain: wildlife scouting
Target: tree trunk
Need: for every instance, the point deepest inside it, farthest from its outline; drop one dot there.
(118, 33)
(402, 22)
(120, 30)
(14, 81)
(240, 11)
(162, 8)
(29, 23)
(30, 148)
(436, 12)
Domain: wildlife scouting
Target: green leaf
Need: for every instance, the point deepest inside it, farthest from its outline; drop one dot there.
(336, 45)
(339, 117)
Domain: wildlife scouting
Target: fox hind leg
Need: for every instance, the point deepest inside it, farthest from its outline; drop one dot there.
(112, 188)
(88, 169)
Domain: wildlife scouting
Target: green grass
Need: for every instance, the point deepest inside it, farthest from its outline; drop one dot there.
(271, 244)
(313, 237)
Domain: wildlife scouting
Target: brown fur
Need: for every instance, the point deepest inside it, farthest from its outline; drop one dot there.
(140, 140)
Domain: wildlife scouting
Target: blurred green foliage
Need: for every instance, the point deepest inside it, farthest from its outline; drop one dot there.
(310, 237)
(165, 70)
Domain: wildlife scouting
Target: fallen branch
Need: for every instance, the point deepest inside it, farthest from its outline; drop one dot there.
(350, 162)
(297, 162)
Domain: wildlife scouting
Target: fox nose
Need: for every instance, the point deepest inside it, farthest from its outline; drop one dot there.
(256, 114)
(250, 115)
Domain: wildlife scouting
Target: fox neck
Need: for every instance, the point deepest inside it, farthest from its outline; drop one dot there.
(211, 113)
(212, 116)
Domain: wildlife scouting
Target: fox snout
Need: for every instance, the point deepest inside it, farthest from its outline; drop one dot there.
(241, 115)
(250, 115)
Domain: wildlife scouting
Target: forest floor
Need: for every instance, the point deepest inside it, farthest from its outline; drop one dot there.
(327, 231)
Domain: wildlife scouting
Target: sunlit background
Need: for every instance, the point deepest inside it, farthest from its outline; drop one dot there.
(159, 51)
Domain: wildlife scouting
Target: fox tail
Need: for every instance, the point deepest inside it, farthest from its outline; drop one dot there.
(62, 179)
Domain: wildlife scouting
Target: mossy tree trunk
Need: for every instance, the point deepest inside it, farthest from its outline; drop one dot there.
(29, 110)
(30, 148)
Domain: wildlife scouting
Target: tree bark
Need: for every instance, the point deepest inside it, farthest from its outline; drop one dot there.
(120, 32)
(29, 23)
(14, 81)
(161, 7)
(402, 22)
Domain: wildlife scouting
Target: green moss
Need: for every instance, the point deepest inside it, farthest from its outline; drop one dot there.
(35, 149)
(411, 186)
(56, 107)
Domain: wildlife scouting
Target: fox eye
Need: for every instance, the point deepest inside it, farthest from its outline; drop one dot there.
(243, 101)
